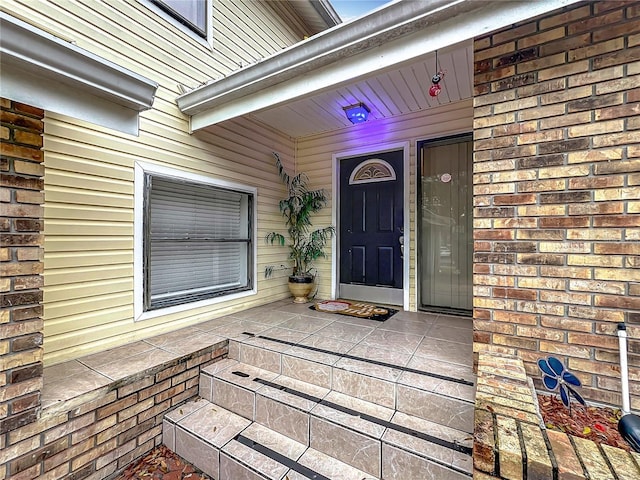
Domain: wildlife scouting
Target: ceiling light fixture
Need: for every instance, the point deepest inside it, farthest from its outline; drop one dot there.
(357, 113)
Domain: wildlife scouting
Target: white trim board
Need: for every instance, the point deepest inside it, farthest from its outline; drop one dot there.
(46, 72)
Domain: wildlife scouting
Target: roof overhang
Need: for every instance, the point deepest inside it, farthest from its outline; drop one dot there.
(44, 71)
(383, 40)
(318, 14)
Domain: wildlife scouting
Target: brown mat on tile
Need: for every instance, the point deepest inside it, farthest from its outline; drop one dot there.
(355, 309)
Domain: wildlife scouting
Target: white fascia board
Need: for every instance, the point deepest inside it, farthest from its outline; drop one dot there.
(65, 74)
(371, 50)
(326, 11)
(341, 41)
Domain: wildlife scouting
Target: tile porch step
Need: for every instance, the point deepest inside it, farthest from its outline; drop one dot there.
(198, 430)
(425, 388)
(229, 447)
(330, 422)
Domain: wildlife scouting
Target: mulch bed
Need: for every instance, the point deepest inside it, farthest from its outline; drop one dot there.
(161, 463)
(599, 424)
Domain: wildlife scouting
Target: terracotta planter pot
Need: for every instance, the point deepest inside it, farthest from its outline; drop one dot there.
(300, 287)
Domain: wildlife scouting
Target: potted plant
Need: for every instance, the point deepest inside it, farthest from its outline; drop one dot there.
(305, 245)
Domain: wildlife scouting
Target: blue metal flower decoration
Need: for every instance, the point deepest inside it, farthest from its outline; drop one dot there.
(556, 377)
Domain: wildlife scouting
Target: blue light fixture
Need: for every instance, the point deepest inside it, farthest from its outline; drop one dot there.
(357, 113)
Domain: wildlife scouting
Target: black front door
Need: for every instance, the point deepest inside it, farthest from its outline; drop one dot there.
(371, 227)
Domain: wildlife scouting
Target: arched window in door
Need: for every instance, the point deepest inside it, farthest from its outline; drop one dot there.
(372, 170)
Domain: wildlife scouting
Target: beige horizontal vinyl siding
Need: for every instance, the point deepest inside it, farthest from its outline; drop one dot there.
(314, 156)
(89, 224)
(89, 170)
(134, 36)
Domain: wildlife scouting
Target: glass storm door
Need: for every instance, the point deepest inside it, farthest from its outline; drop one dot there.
(445, 224)
(371, 222)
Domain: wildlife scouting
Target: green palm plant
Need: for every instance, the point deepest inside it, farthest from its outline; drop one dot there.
(305, 245)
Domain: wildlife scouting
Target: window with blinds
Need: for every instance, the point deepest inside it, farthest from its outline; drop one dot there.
(197, 241)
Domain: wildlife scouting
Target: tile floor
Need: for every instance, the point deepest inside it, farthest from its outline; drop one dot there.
(418, 340)
(310, 384)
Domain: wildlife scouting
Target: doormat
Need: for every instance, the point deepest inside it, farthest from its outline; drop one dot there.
(355, 309)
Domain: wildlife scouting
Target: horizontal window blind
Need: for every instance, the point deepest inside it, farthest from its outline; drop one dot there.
(198, 242)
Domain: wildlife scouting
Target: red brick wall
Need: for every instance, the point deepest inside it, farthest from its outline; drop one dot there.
(557, 192)
(21, 266)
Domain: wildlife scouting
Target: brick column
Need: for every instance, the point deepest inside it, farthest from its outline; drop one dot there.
(21, 267)
(557, 192)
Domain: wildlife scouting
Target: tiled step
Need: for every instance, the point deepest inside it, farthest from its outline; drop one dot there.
(407, 454)
(434, 390)
(241, 459)
(344, 427)
(229, 447)
(199, 430)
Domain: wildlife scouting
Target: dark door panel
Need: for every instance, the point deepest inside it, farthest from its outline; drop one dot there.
(385, 266)
(371, 223)
(386, 206)
(358, 258)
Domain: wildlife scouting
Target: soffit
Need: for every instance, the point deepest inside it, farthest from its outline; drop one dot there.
(317, 14)
(385, 59)
(401, 91)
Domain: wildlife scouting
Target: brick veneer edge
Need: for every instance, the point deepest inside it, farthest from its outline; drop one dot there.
(100, 437)
(21, 267)
(511, 442)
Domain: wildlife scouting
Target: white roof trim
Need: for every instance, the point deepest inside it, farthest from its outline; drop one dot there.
(392, 35)
(36, 58)
(320, 13)
(327, 12)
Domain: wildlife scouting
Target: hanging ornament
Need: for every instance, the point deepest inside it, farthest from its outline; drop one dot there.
(435, 88)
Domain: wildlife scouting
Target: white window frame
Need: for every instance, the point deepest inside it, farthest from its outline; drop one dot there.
(142, 168)
(208, 41)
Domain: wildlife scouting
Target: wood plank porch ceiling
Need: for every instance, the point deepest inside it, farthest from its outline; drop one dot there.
(385, 59)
